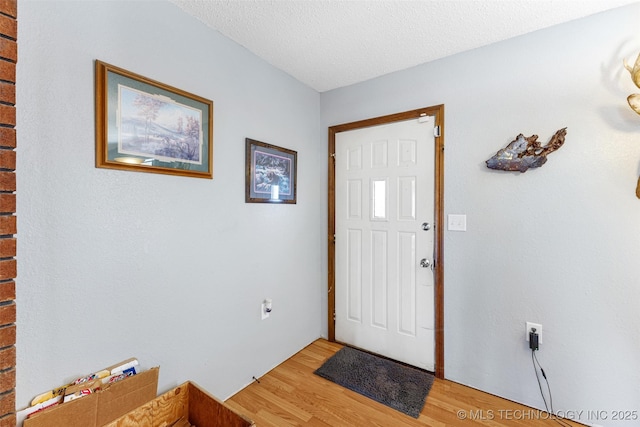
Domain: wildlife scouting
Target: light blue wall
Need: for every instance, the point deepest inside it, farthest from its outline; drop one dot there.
(557, 245)
(172, 270)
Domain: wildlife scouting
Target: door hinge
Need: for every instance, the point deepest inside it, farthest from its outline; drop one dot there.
(334, 238)
(436, 131)
(334, 315)
(333, 155)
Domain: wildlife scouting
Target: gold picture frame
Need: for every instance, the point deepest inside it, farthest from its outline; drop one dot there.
(143, 125)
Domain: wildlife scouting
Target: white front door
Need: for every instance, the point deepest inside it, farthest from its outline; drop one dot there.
(384, 210)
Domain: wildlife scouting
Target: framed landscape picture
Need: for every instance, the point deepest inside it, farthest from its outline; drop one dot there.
(147, 126)
(270, 173)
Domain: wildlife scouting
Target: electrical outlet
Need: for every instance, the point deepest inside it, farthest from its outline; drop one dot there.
(538, 328)
(265, 308)
(263, 311)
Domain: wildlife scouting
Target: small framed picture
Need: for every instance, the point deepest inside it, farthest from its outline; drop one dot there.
(270, 175)
(146, 126)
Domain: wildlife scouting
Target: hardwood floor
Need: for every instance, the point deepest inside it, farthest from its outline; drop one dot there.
(292, 395)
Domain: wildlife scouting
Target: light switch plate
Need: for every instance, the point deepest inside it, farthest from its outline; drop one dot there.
(457, 222)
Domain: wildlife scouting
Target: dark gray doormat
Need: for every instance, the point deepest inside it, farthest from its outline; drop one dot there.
(398, 386)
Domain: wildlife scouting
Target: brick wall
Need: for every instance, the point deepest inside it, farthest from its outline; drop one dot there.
(8, 58)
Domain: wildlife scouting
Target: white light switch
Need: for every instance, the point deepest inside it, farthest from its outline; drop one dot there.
(457, 222)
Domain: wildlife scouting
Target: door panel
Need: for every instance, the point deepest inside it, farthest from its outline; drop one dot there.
(354, 295)
(379, 280)
(384, 191)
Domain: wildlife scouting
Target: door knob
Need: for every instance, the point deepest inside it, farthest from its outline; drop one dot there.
(425, 263)
(426, 226)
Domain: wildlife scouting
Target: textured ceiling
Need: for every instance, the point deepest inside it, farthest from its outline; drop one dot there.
(328, 44)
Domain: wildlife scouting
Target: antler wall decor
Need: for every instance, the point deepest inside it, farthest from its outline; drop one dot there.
(634, 98)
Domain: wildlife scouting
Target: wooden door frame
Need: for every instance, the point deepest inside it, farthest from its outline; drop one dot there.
(438, 258)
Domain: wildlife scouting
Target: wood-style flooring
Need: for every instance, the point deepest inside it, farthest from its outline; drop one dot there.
(292, 395)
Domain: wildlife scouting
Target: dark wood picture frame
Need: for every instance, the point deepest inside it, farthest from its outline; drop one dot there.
(146, 126)
(271, 173)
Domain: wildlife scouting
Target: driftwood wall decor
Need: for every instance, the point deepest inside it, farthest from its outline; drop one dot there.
(524, 153)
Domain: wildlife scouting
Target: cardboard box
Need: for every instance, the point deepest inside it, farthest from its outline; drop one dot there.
(103, 406)
(186, 404)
